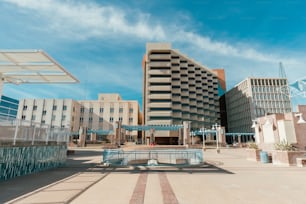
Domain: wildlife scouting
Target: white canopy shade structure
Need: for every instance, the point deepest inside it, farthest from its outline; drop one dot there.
(31, 66)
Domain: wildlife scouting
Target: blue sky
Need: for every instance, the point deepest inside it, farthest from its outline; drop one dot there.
(102, 43)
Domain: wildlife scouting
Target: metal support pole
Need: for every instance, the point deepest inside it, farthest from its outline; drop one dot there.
(203, 135)
(16, 132)
(47, 138)
(33, 137)
(217, 139)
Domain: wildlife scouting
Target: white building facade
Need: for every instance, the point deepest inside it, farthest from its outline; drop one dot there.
(253, 98)
(61, 113)
(104, 113)
(99, 116)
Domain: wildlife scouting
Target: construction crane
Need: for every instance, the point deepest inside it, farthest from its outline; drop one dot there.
(282, 73)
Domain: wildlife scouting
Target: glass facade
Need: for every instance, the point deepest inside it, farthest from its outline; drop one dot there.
(8, 107)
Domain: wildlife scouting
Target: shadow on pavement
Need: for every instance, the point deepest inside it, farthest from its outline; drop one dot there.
(18, 186)
(204, 168)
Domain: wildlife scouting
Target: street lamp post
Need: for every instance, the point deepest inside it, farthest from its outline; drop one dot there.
(192, 134)
(203, 136)
(217, 128)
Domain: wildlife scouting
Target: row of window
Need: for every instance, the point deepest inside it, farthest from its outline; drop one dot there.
(111, 119)
(269, 82)
(270, 89)
(54, 108)
(274, 97)
(23, 117)
(101, 110)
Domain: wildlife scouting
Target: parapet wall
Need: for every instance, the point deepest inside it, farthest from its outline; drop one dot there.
(22, 160)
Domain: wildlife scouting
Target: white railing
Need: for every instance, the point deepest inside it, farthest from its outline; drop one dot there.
(120, 157)
(14, 131)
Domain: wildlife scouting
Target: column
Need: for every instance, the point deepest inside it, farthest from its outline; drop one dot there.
(1, 84)
(186, 133)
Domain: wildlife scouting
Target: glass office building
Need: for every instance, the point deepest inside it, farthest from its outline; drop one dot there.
(8, 107)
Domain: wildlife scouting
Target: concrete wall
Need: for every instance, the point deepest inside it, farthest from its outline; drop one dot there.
(22, 160)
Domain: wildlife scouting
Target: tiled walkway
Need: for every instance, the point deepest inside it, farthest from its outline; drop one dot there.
(227, 178)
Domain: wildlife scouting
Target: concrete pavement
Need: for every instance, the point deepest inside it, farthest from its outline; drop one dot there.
(226, 178)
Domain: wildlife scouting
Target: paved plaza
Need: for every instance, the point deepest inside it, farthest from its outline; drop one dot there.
(224, 178)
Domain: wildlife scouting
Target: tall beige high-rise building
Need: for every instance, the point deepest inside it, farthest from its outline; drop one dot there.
(255, 97)
(176, 89)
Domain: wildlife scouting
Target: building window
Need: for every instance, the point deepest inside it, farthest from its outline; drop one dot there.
(43, 122)
(90, 119)
(54, 108)
(33, 117)
(25, 107)
(35, 107)
(120, 110)
(63, 117)
(64, 107)
(81, 119)
(131, 110)
(91, 110)
(120, 118)
(82, 109)
(111, 119)
(101, 110)
(100, 119)
(44, 112)
(53, 117)
(130, 119)
(23, 117)
(111, 110)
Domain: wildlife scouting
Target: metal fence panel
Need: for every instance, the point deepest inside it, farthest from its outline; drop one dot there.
(22, 131)
(192, 156)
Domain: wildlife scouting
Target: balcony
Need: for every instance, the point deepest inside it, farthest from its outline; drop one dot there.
(160, 64)
(158, 105)
(184, 86)
(160, 96)
(176, 91)
(160, 113)
(159, 56)
(176, 75)
(160, 79)
(176, 83)
(159, 72)
(159, 88)
(184, 72)
(177, 114)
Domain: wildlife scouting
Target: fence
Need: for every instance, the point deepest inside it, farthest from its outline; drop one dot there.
(119, 157)
(14, 131)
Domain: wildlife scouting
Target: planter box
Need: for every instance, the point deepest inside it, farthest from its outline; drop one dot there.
(253, 154)
(286, 158)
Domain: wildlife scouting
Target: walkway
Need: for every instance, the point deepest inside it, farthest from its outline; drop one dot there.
(227, 178)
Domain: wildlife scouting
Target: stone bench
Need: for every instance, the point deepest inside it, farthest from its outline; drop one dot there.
(301, 162)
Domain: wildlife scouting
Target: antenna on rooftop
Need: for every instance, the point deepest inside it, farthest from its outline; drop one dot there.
(282, 73)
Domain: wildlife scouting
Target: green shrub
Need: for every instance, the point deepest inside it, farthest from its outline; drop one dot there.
(252, 145)
(284, 146)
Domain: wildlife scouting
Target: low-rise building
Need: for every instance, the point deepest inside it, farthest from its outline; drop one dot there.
(95, 118)
(287, 127)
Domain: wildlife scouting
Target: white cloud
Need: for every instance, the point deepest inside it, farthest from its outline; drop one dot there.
(79, 20)
(76, 19)
(71, 18)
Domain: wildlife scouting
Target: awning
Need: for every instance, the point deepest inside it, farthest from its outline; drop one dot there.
(32, 66)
